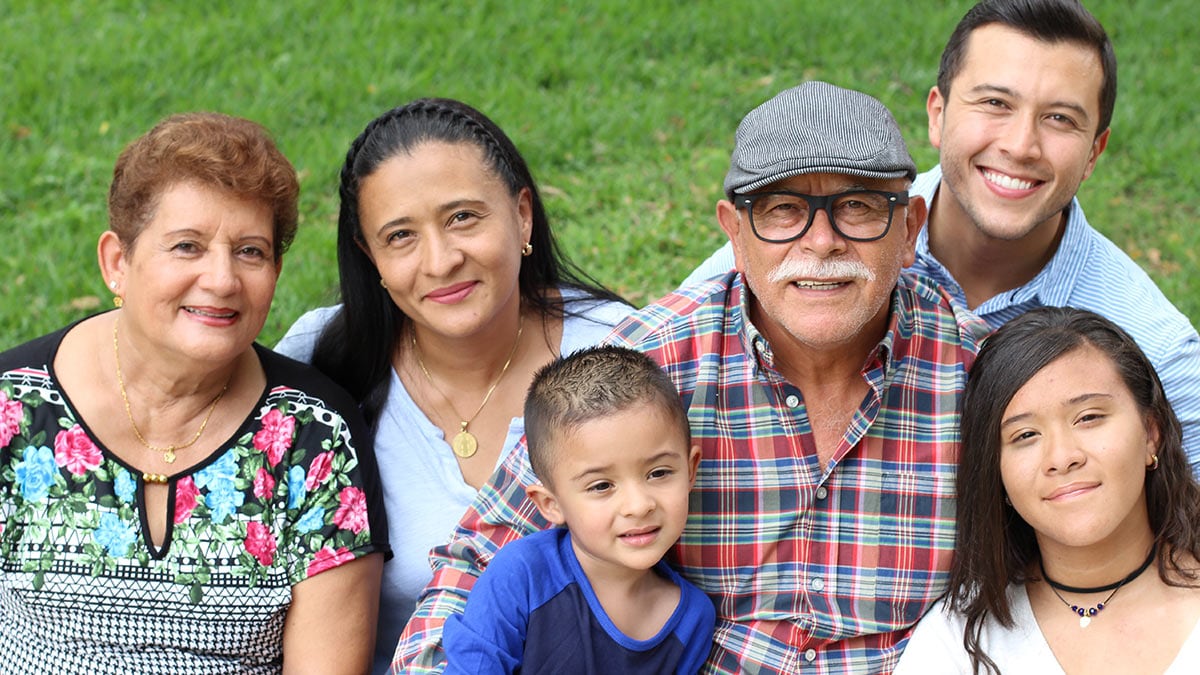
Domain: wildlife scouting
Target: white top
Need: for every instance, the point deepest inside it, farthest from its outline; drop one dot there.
(936, 645)
(424, 491)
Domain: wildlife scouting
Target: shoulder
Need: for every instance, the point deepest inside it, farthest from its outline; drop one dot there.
(37, 353)
(691, 312)
(301, 339)
(289, 378)
(927, 314)
(588, 320)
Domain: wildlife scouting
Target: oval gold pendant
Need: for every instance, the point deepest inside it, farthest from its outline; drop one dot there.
(464, 444)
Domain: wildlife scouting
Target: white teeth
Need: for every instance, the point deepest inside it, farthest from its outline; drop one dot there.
(819, 285)
(199, 312)
(1008, 181)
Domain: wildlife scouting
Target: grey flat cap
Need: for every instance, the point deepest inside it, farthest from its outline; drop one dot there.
(816, 128)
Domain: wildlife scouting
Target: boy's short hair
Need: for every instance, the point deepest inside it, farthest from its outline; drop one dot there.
(589, 384)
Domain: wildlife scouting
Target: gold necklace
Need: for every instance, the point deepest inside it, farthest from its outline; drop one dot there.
(169, 451)
(465, 444)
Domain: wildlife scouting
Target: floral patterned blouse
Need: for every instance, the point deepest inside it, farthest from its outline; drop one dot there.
(294, 492)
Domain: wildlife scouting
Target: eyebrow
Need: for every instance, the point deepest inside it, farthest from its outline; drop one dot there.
(999, 89)
(665, 454)
(448, 206)
(1075, 400)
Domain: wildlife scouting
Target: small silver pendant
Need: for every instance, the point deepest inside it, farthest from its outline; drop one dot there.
(1084, 621)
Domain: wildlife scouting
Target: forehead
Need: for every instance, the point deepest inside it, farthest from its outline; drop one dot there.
(999, 56)
(1084, 369)
(832, 183)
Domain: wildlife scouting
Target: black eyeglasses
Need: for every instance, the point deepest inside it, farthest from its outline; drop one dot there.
(858, 215)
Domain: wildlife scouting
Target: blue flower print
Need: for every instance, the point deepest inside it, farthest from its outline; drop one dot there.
(114, 535)
(224, 470)
(125, 486)
(224, 500)
(313, 519)
(296, 489)
(36, 473)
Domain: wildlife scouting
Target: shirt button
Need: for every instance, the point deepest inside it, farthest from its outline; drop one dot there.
(817, 584)
(792, 400)
(810, 655)
(822, 493)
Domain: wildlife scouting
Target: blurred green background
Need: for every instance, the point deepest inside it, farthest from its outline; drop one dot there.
(625, 113)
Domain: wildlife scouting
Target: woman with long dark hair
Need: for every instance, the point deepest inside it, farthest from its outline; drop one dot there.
(453, 294)
(1078, 515)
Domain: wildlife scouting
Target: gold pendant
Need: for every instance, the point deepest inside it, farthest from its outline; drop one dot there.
(169, 455)
(464, 444)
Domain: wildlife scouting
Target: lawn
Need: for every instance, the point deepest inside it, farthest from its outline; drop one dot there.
(625, 111)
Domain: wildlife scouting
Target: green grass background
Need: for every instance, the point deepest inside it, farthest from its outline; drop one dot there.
(625, 111)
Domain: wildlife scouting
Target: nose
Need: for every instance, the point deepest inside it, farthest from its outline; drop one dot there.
(1063, 453)
(441, 255)
(821, 239)
(1021, 138)
(220, 274)
(637, 501)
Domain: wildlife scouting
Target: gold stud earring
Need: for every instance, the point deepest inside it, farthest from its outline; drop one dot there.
(527, 249)
(382, 283)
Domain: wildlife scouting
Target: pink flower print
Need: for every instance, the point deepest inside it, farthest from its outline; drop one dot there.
(264, 484)
(275, 437)
(185, 498)
(260, 543)
(328, 558)
(11, 414)
(320, 469)
(75, 451)
(352, 514)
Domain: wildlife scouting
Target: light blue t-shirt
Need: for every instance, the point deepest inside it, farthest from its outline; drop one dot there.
(423, 489)
(1088, 272)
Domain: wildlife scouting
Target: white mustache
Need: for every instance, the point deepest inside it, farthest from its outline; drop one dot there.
(818, 270)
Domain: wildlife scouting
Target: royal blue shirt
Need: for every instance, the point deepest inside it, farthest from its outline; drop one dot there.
(534, 611)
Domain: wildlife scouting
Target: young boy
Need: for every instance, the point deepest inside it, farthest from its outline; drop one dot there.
(608, 439)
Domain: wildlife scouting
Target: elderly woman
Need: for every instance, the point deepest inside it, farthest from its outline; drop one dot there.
(453, 295)
(173, 497)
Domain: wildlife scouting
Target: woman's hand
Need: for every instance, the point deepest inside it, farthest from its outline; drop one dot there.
(330, 626)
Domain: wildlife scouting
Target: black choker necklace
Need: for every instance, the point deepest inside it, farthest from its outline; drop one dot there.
(1086, 613)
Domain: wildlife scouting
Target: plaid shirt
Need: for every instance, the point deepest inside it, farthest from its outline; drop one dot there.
(812, 569)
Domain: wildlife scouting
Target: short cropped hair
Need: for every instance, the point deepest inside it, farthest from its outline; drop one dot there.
(1046, 20)
(590, 384)
(213, 150)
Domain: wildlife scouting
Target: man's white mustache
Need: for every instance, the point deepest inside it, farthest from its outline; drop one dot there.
(816, 270)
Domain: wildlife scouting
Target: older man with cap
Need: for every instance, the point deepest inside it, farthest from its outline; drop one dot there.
(822, 388)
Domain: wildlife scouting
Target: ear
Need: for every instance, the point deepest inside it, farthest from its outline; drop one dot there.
(1153, 440)
(525, 212)
(546, 503)
(731, 224)
(917, 212)
(693, 464)
(1098, 147)
(935, 108)
(111, 255)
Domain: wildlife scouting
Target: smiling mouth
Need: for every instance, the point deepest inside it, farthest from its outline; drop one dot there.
(212, 315)
(819, 285)
(1006, 181)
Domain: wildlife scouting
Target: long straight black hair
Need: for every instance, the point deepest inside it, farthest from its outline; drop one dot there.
(995, 546)
(357, 347)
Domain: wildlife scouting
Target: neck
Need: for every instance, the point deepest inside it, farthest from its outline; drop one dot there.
(986, 266)
(816, 366)
(154, 381)
(1095, 566)
(466, 359)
